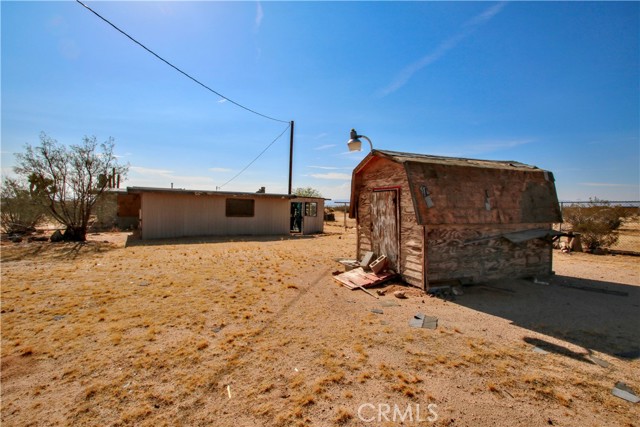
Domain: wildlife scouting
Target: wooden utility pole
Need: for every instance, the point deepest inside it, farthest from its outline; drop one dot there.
(290, 157)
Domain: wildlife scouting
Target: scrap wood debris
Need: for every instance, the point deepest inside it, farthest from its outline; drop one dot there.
(353, 279)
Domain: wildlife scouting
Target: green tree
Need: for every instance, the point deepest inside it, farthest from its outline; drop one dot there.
(20, 213)
(306, 192)
(69, 180)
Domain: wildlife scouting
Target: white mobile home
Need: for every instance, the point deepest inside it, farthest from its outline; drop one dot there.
(169, 213)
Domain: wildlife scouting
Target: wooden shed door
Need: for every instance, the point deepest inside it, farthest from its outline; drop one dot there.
(384, 222)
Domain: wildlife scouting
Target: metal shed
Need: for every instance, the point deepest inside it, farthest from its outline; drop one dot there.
(443, 218)
(169, 213)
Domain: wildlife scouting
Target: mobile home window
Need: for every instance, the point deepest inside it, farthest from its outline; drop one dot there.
(311, 209)
(240, 207)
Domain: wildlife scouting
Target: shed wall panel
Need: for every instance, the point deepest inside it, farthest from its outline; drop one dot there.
(459, 195)
(450, 258)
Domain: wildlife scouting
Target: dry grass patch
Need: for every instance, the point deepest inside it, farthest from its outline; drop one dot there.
(153, 335)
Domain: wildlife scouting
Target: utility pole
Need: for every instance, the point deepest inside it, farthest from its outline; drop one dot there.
(290, 157)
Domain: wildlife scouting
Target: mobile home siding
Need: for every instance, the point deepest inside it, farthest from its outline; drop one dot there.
(312, 224)
(166, 215)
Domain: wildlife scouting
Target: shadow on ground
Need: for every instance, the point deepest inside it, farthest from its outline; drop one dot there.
(596, 315)
(53, 251)
(135, 240)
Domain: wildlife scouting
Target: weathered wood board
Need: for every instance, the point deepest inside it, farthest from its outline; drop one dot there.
(358, 277)
(381, 173)
(450, 256)
(384, 218)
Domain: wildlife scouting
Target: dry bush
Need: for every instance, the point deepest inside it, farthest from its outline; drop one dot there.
(597, 222)
(20, 212)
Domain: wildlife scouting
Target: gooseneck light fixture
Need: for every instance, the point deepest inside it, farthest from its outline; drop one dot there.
(355, 144)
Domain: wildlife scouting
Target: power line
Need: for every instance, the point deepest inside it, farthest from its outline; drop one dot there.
(176, 68)
(257, 157)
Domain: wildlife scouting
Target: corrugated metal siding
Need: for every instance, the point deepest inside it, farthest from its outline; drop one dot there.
(181, 215)
(312, 224)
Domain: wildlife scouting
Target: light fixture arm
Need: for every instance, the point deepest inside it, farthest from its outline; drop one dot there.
(368, 140)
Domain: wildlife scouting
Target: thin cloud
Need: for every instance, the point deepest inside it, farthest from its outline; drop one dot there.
(151, 177)
(351, 153)
(606, 184)
(69, 49)
(482, 147)
(328, 168)
(467, 29)
(259, 16)
(331, 175)
(486, 147)
(220, 170)
(485, 16)
(222, 101)
(324, 147)
(150, 171)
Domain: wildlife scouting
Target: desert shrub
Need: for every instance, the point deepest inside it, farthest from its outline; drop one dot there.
(69, 180)
(597, 221)
(20, 213)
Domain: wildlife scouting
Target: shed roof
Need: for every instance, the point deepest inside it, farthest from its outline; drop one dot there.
(400, 157)
(454, 190)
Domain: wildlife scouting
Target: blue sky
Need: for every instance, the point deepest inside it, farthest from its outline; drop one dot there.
(551, 84)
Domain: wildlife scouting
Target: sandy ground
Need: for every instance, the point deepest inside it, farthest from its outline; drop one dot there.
(256, 332)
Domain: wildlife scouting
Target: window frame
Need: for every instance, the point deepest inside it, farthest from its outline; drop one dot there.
(233, 211)
(307, 209)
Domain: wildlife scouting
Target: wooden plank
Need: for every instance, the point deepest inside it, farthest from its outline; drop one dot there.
(385, 173)
(384, 233)
(358, 277)
(449, 257)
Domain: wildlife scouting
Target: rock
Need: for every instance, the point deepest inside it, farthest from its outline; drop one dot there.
(381, 292)
(15, 239)
(400, 294)
(623, 391)
(56, 237)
